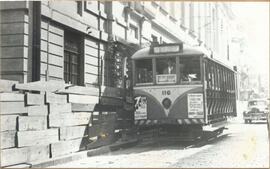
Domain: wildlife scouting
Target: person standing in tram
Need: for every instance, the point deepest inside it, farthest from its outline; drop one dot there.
(170, 69)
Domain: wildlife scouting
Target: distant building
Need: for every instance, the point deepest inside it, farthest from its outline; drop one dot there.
(68, 40)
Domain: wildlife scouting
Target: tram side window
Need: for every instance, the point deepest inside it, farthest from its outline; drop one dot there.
(144, 71)
(190, 69)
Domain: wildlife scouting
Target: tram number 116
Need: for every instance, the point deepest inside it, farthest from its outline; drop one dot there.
(166, 92)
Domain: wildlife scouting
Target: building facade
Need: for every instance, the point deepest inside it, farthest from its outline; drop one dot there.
(70, 40)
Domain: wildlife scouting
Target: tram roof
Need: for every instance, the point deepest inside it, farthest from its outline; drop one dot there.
(145, 53)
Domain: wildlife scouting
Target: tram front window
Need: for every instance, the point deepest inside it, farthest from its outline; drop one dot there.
(190, 70)
(144, 73)
(166, 71)
(166, 66)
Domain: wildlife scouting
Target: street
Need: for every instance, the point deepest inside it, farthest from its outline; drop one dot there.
(242, 145)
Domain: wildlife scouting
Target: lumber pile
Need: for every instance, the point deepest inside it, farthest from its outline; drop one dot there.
(37, 124)
(45, 120)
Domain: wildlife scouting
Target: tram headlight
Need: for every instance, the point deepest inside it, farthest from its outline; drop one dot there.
(166, 103)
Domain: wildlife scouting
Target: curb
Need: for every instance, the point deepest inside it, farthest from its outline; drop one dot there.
(83, 154)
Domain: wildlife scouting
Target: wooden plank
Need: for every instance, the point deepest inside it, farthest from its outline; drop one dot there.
(16, 156)
(11, 97)
(12, 107)
(77, 107)
(7, 85)
(83, 99)
(42, 137)
(19, 166)
(68, 133)
(56, 98)
(38, 153)
(72, 119)
(8, 139)
(50, 86)
(8, 122)
(92, 91)
(13, 156)
(41, 110)
(59, 108)
(32, 123)
(66, 147)
(34, 99)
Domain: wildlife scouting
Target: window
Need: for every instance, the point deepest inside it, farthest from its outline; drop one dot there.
(144, 73)
(166, 71)
(71, 58)
(154, 38)
(166, 66)
(190, 69)
(133, 31)
(79, 7)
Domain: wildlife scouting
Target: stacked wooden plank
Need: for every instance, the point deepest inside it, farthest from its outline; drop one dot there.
(37, 124)
(44, 120)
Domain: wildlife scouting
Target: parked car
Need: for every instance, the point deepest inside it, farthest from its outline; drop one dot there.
(258, 109)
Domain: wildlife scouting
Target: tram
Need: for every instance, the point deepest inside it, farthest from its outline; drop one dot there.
(182, 89)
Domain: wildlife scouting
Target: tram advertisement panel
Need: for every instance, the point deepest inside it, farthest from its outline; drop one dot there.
(195, 105)
(140, 108)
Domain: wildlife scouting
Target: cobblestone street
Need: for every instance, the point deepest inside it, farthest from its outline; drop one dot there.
(243, 145)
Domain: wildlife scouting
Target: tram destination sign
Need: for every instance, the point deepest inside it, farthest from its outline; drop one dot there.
(166, 48)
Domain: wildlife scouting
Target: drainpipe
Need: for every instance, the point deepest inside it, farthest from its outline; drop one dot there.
(36, 41)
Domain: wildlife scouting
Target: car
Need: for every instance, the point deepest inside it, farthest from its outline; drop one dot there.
(258, 109)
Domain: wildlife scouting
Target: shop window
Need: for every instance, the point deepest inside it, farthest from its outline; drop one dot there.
(144, 73)
(190, 70)
(72, 58)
